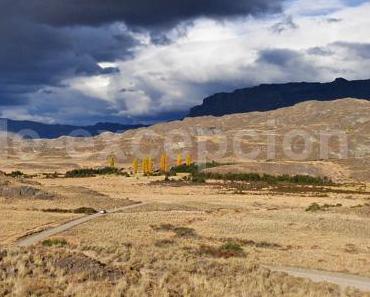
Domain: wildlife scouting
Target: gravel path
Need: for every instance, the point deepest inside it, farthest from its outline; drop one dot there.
(341, 279)
(37, 237)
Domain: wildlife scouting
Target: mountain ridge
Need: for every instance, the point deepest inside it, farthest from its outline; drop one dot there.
(51, 131)
(267, 97)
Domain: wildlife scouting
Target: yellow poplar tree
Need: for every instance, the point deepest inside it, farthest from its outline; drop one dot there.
(179, 160)
(112, 161)
(189, 160)
(150, 166)
(145, 166)
(135, 166)
(164, 163)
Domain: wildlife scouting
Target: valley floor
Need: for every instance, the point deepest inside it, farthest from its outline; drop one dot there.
(186, 239)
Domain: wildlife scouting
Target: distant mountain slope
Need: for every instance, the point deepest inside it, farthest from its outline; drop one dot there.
(224, 139)
(51, 131)
(273, 96)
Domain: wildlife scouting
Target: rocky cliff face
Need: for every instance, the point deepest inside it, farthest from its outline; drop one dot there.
(269, 97)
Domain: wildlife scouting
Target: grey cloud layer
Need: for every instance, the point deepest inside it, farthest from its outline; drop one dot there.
(168, 57)
(134, 12)
(44, 42)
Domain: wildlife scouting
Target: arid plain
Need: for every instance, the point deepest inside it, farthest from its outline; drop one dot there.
(186, 238)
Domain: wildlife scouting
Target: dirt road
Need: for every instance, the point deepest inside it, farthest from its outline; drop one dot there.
(340, 279)
(37, 237)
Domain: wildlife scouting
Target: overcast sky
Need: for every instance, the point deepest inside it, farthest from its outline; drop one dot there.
(129, 61)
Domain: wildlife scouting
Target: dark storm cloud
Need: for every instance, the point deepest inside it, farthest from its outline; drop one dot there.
(133, 12)
(36, 55)
(36, 52)
(44, 42)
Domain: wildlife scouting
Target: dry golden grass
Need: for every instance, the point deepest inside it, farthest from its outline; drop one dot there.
(333, 240)
(16, 223)
(136, 270)
(153, 258)
(23, 215)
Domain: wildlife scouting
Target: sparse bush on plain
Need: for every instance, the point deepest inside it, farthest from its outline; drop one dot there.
(85, 210)
(270, 179)
(194, 167)
(179, 231)
(164, 243)
(16, 174)
(163, 227)
(81, 210)
(232, 246)
(313, 207)
(91, 172)
(227, 250)
(54, 242)
(184, 232)
(316, 207)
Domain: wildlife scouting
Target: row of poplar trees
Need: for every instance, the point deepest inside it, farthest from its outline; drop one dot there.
(147, 164)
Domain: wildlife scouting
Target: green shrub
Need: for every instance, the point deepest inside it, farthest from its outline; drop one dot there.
(227, 250)
(193, 168)
(16, 174)
(81, 210)
(85, 210)
(54, 242)
(57, 210)
(232, 247)
(184, 232)
(270, 179)
(91, 172)
(179, 231)
(313, 207)
(316, 207)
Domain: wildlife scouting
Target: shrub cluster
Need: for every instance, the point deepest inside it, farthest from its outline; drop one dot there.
(179, 231)
(227, 250)
(194, 167)
(270, 179)
(54, 242)
(316, 207)
(81, 210)
(16, 174)
(91, 172)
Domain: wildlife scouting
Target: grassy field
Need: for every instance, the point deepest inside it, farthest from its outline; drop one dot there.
(190, 239)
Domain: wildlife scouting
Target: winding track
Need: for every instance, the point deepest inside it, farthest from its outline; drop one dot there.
(341, 279)
(37, 237)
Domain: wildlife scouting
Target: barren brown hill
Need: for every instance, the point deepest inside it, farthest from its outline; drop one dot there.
(285, 141)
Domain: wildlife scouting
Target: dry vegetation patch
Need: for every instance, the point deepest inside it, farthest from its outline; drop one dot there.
(227, 250)
(144, 272)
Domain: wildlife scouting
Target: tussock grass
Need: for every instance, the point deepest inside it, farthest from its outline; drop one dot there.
(164, 243)
(179, 231)
(138, 271)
